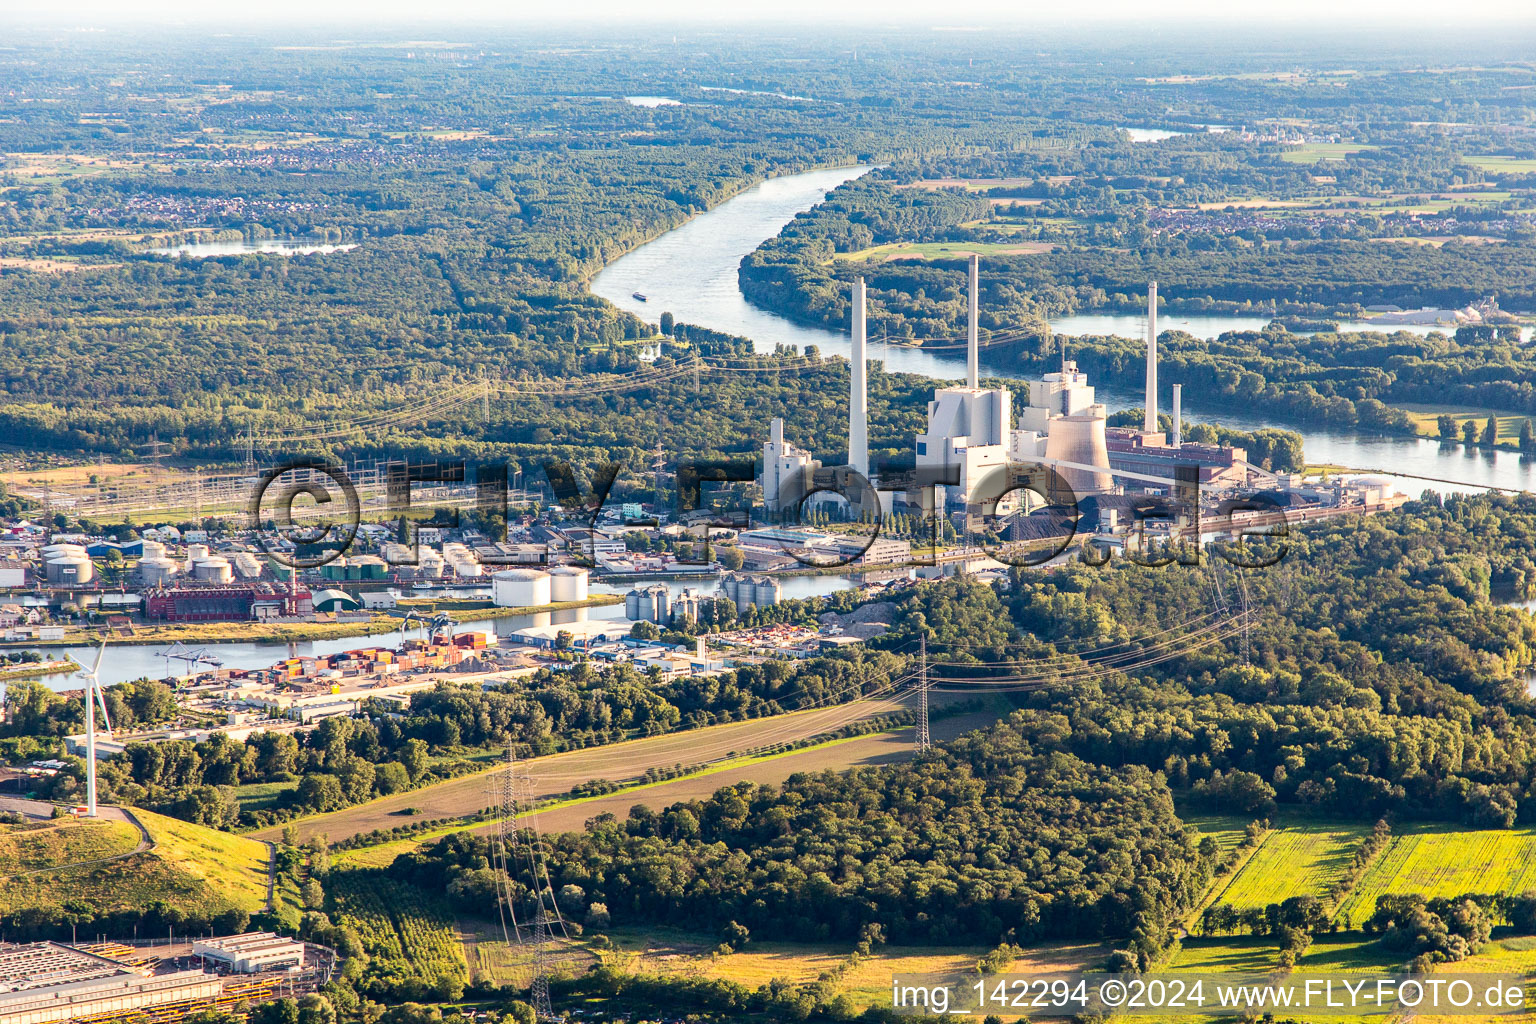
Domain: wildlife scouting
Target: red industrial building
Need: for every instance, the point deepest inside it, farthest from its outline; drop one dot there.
(238, 602)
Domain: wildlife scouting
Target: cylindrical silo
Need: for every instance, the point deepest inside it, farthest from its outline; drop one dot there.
(569, 583)
(152, 549)
(213, 569)
(196, 551)
(765, 591)
(520, 588)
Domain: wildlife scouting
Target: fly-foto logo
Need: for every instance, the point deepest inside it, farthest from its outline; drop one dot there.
(1020, 514)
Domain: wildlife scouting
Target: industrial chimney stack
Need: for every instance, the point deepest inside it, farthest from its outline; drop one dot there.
(973, 332)
(1178, 415)
(1149, 421)
(858, 397)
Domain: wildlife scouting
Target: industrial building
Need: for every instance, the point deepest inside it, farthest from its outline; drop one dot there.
(228, 602)
(44, 982)
(751, 590)
(649, 604)
(968, 427)
(1063, 422)
(252, 952)
(784, 467)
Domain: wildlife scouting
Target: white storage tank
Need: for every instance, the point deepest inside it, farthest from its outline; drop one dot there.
(69, 569)
(520, 588)
(52, 551)
(569, 583)
(152, 549)
(196, 552)
(213, 569)
(156, 572)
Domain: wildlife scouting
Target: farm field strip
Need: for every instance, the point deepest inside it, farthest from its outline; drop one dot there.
(1295, 860)
(555, 774)
(1447, 864)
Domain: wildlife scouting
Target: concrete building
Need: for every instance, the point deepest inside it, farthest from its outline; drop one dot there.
(1063, 422)
(783, 464)
(252, 952)
(47, 982)
(968, 427)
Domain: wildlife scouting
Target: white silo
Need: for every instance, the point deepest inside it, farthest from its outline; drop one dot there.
(569, 583)
(69, 569)
(520, 588)
(152, 549)
(157, 572)
(213, 569)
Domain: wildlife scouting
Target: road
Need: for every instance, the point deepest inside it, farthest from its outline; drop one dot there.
(555, 774)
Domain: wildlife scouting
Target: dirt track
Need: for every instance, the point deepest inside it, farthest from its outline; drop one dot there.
(620, 762)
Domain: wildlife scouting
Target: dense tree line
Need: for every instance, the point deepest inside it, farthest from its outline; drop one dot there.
(985, 839)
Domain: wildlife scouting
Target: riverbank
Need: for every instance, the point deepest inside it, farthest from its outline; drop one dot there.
(205, 633)
(35, 670)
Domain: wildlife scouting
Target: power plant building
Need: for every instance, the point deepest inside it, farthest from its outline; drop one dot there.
(784, 466)
(47, 982)
(968, 427)
(1064, 422)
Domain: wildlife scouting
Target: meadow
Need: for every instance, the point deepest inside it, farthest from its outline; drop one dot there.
(192, 868)
(63, 842)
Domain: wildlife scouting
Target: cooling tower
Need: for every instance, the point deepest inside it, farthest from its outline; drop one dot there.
(1080, 438)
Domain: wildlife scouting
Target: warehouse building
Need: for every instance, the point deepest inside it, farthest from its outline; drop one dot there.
(252, 952)
(47, 982)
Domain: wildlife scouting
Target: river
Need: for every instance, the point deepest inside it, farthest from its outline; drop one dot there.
(691, 272)
(136, 661)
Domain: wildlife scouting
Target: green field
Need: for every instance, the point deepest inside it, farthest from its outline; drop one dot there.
(1519, 165)
(1446, 863)
(64, 842)
(1228, 830)
(1312, 152)
(1294, 860)
(407, 931)
(1425, 419)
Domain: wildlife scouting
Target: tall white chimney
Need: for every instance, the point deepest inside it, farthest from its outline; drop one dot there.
(776, 432)
(972, 332)
(1149, 421)
(1178, 415)
(858, 397)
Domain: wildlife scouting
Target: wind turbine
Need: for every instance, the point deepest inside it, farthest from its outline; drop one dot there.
(92, 677)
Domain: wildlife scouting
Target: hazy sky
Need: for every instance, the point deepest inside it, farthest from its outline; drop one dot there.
(1317, 13)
